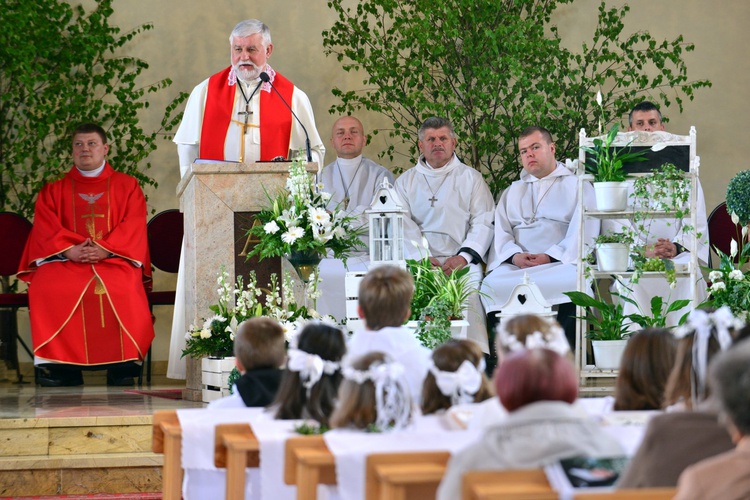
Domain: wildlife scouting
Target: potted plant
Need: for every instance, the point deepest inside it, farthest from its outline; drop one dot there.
(607, 326)
(666, 190)
(439, 302)
(613, 251)
(606, 163)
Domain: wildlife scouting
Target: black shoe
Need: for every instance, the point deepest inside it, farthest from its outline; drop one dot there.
(116, 381)
(59, 378)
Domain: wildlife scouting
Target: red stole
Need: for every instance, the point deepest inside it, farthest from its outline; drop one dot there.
(275, 117)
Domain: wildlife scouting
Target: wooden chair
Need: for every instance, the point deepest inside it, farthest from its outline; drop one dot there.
(398, 476)
(307, 463)
(629, 494)
(235, 447)
(531, 484)
(721, 231)
(167, 440)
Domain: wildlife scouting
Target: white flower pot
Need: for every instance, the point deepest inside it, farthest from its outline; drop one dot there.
(608, 353)
(215, 377)
(459, 328)
(611, 196)
(612, 257)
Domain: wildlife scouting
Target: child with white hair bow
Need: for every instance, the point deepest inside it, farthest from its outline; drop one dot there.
(456, 376)
(312, 376)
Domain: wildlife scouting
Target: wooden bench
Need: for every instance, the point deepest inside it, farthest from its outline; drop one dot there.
(235, 448)
(531, 484)
(398, 476)
(167, 440)
(629, 494)
(307, 463)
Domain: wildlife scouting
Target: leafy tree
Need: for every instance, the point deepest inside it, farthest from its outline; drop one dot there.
(494, 67)
(59, 68)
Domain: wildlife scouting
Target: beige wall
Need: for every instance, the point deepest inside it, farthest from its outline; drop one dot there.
(190, 41)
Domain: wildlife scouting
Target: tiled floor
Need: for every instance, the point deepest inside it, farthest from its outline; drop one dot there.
(93, 399)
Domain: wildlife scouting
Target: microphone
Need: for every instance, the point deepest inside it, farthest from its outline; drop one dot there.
(265, 78)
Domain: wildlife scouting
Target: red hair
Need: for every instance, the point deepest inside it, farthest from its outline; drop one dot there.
(532, 375)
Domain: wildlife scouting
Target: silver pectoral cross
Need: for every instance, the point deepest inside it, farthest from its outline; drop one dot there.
(246, 114)
(432, 200)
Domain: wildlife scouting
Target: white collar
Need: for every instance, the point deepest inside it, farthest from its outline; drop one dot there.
(92, 173)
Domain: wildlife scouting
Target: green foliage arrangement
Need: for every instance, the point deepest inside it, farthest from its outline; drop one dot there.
(493, 67)
(431, 284)
(297, 220)
(622, 237)
(738, 196)
(607, 163)
(434, 325)
(311, 428)
(659, 312)
(59, 67)
(730, 285)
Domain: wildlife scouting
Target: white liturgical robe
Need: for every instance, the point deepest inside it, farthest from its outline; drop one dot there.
(672, 230)
(355, 179)
(451, 208)
(188, 138)
(538, 216)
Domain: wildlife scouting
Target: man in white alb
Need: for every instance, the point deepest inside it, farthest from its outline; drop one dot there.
(665, 239)
(448, 204)
(235, 116)
(352, 180)
(536, 230)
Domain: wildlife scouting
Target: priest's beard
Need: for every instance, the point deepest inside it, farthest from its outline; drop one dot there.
(245, 74)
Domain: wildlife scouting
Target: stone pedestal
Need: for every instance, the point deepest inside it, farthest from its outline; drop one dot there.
(213, 198)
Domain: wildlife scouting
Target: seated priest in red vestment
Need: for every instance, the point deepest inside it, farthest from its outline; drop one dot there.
(86, 262)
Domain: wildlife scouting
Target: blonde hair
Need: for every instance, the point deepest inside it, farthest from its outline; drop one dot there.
(259, 343)
(385, 295)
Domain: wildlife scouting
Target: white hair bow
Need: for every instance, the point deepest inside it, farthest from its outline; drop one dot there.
(702, 324)
(392, 397)
(460, 385)
(311, 367)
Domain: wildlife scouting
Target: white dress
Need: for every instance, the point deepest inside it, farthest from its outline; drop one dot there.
(451, 208)
(538, 216)
(187, 139)
(358, 179)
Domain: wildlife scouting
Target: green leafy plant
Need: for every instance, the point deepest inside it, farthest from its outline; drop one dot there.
(432, 284)
(659, 312)
(493, 67)
(738, 196)
(606, 320)
(607, 162)
(610, 237)
(434, 325)
(46, 89)
(310, 428)
(232, 379)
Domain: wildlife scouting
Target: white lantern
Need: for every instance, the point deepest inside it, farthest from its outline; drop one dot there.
(386, 217)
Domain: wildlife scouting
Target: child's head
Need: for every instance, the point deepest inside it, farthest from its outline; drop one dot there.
(646, 362)
(259, 343)
(703, 335)
(456, 376)
(310, 382)
(529, 331)
(385, 295)
(373, 392)
(531, 375)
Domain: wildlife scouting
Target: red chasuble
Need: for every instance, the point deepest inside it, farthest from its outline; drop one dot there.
(275, 117)
(89, 314)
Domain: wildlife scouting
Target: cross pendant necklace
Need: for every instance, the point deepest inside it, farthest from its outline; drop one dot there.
(248, 112)
(346, 189)
(535, 209)
(435, 192)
